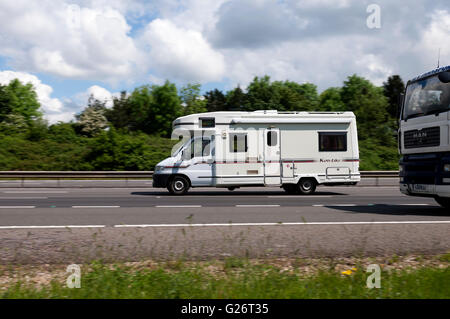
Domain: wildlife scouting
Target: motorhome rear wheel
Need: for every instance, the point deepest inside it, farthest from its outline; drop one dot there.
(307, 186)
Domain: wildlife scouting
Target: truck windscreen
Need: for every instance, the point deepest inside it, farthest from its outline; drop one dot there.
(427, 96)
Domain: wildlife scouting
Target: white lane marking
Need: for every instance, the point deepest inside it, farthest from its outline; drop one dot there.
(257, 205)
(337, 205)
(229, 224)
(299, 196)
(51, 227)
(35, 192)
(95, 206)
(23, 197)
(179, 206)
(283, 224)
(414, 204)
(17, 207)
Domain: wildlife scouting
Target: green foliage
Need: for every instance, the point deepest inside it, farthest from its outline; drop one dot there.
(154, 108)
(330, 100)
(131, 134)
(92, 120)
(392, 89)
(121, 114)
(215, 101)
(19, 99)
(134, 152)
(240, 280)
(193, 102)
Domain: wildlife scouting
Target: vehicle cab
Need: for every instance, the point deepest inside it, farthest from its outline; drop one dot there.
(424, 137)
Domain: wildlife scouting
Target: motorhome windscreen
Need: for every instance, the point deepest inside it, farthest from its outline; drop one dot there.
(201, 147)
(333, 141)
(427, 96)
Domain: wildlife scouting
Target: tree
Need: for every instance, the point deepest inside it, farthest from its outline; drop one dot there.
(20, 99)
(261, 95)
(235, 100)
(330, 100)
(154, 108)
(215, 101)
(191, 99)
(92, 120)
(120, 115)
(370, 107)
(392, 89)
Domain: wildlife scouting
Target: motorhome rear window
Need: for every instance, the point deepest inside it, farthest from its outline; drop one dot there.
(333, 141)
(238, 142)
(207, 122)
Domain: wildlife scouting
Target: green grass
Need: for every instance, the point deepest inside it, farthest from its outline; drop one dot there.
(239, 279)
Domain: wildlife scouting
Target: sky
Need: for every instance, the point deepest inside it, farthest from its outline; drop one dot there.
(70, 49)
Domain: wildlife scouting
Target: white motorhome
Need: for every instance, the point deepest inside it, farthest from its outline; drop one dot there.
(293, 150)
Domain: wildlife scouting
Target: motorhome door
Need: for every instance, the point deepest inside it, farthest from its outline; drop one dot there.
(272, 157)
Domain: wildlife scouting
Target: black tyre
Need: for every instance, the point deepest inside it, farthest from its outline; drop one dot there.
(291, 189)
(231, 188)
(178, 185)
(307, 186)
(444, 202)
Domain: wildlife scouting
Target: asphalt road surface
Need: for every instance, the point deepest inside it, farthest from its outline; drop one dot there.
(44, 225)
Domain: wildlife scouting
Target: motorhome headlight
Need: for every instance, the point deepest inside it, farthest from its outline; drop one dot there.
(447, 168)
(400, 168)
(158, 168)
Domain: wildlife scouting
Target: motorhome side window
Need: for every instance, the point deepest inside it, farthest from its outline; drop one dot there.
(207, 122)
(238, 142)
(272, 138)
(333, 141)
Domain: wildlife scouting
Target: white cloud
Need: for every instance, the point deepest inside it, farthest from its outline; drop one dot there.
(43, 91)
(68, 41)
(183, 54)
(99, 93)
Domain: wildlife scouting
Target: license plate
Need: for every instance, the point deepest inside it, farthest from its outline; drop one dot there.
(421, 188)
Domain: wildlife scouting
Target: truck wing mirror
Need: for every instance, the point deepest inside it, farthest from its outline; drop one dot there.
(401, 99)
(444, 77)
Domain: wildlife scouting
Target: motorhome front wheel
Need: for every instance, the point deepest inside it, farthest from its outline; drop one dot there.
(179, 185)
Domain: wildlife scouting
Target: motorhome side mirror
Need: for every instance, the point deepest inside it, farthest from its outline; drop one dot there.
(444, 77)
(185, 155)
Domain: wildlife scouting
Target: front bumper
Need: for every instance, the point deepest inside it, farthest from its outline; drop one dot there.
(160, 180)
(429, 191)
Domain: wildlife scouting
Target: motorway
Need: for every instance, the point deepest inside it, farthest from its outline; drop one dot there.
(42, 225)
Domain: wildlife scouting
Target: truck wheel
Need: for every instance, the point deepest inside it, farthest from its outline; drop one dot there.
(231, 188)
(307, 186)
(444, 202)
(178, 185)
(291, 189)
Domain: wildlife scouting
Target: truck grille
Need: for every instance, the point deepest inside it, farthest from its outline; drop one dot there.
(427, 137)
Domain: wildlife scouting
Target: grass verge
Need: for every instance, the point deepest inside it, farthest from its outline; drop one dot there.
(240, 278)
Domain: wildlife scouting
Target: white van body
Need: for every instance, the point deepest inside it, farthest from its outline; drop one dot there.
(293, 150)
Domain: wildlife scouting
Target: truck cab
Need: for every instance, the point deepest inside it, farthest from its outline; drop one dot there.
(424, 137)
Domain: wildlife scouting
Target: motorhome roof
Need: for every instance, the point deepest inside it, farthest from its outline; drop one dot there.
(231, 116)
